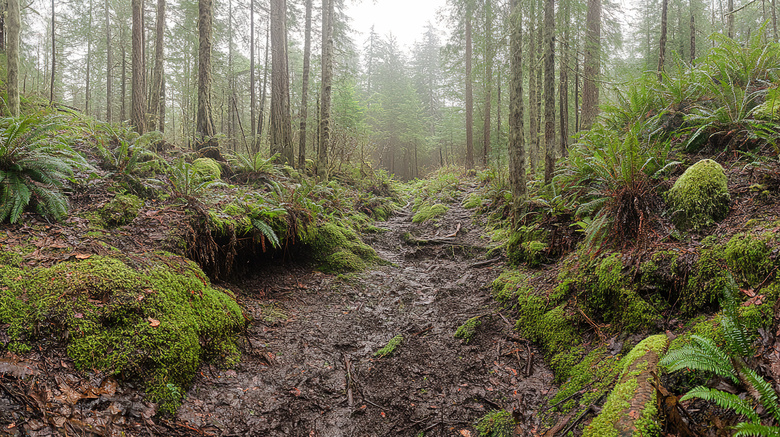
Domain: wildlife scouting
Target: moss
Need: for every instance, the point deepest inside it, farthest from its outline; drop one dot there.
(497, 423)
(467, 330)
(429, 212)
(597, 370)
(152, 320)
(339, 249)
(705, 283)
(615, 300)
(634, 365)
(207, 169)
(700, 197)
(121, 210)
(748, 257)
(527, 245)
(390, 347)
(507, 286)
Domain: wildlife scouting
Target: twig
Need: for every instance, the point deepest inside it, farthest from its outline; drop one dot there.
(484, 263)
(350, 399)
(454, 234)
(529, 365)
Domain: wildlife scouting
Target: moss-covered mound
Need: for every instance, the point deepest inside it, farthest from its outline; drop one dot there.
(529, 245)
(121, 210)
(700, 197)
(631, 406)
(339, 249)
(207, 169)
(152, 318)
(429, 212)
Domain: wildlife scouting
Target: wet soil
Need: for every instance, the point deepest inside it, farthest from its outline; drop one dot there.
(309, 367)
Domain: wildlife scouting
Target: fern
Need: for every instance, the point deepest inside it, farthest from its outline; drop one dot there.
(724, 400)
(267, 232)
(701, 354)
(756, 429)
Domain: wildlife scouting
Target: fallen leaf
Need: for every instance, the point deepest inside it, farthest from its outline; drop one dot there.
(465, 433)
(153, 322)
(83, 255)
(296, 391)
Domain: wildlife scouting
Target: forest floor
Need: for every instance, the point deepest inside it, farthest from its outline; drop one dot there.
(309, 366)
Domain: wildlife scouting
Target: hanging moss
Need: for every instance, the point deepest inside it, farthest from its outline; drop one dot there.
(700, 197)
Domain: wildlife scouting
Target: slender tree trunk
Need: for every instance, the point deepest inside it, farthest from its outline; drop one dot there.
(591, 65)
(53, 55)
(264, 94)
(109, 66)
(252, 82)
(774, 20)
(281, 128)
(469, 96)
(205, 124)
(14, 29)
(157, 101)
(563, 92)
(533, 90)
(516, 134)
(327, 83)
(549, 90)
(124, 84)
(662, 42)
(488, 80)
(138, 116)
(87, 94)
(693, 34)
(305, 90)
(161, 109)
(729, 18)
(3, 8)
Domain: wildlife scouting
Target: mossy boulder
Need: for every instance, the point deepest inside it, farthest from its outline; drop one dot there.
(207, 169)
(338, 249)
(700, 197)
(121, 210)
(151, 318)
(528, 245)
(630, 409)
(748, 257)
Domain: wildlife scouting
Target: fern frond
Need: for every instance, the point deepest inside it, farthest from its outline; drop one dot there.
(701, 354)
(746, 429)
(724, 400)
(768, 395)
(267, 231)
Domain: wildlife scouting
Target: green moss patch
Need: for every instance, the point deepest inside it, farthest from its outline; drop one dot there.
(207, 169)
(528, 245)
(467, 330)
(338, 249)
(631, 407)
(151, 319)
(390, 347)
(121, 210)
(429, 212)
(700, 197)
(497, 423)
(748, 258)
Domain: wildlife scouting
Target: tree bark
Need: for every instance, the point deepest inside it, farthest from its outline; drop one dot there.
(563, 92)
(87, 93)
(14, 29)
(157, 104)
(281, 127)
(305, 90)
(327, 83)
(53, 55)
(138, 116)
(516, 134)
(662, 42)
(252, 82)
(469, 95)
(693, 34)
(549, 90)
(729, 18)
(109, 66)
(204, 128)
(533, 90)
(264, 94)
(591, 68)
(488, 80)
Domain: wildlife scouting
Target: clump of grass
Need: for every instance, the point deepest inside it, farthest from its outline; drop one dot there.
(427, 213)
(390, 347)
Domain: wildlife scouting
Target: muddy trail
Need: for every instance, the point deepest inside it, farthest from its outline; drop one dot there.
(309, 366)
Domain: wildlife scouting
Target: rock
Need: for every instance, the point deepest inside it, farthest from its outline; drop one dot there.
(700, 197)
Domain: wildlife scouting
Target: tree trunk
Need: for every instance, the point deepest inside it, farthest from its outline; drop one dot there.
(563, 92)
(774, 20)
(730, 19)
(281, 128)
(488, 80)
(124, 84)
(3, 29)
(591, 65)
(138, 119)
(516, 138)
(14, 29)
(157, 101)
(204, 128)
(549, 90)
(662, 42)
(87, 94)
(533, 90)
(469, 96)
(327, 83)
(53, 55)
(161, 109)
(252, 82)
(305, 90)
(264, 95)
(109, 66)
(693, 34)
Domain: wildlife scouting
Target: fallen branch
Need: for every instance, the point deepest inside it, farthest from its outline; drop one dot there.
(454, 234)
(484, 263)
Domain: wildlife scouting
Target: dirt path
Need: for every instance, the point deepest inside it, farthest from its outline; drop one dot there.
(309, 368)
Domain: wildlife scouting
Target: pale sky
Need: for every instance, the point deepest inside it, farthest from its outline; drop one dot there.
(406, 19)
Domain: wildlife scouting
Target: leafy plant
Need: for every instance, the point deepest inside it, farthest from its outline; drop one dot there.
(186, 183)
(33, 166)
(128, 157)
(248, 163)
(728, 362)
